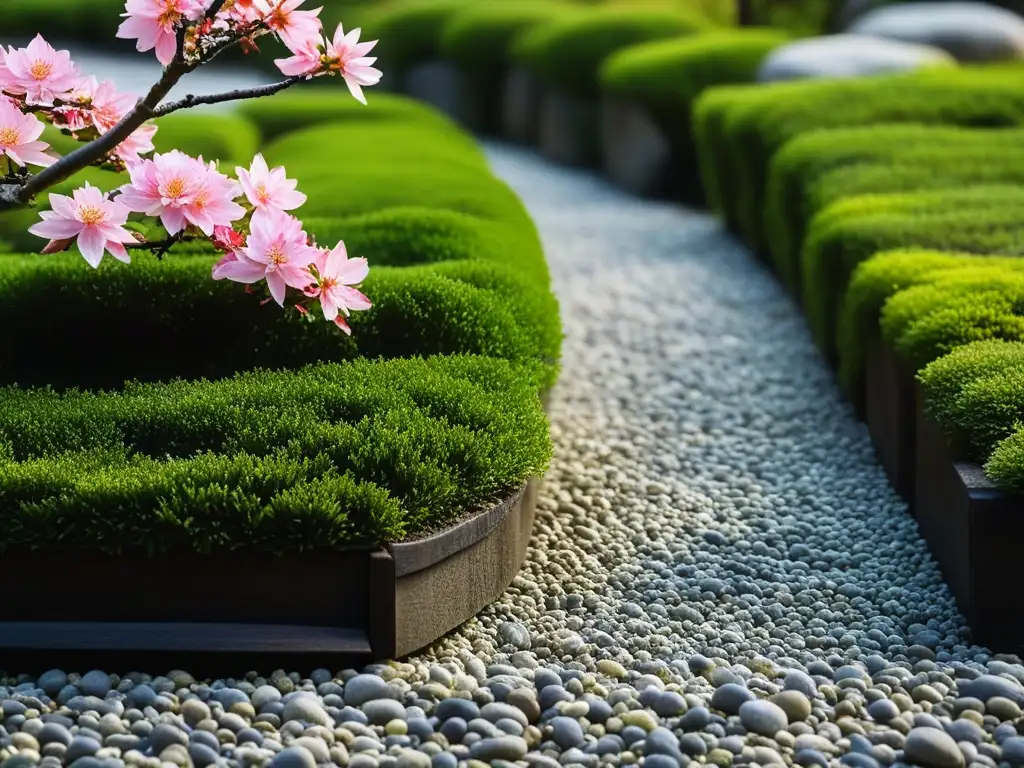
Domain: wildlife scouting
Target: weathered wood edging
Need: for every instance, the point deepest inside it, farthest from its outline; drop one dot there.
(247, 609)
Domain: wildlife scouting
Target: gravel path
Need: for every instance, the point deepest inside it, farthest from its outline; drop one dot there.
(720, 573)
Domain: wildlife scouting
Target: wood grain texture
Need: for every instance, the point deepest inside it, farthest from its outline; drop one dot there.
(891, 413)
(974, 532)
(433, 601)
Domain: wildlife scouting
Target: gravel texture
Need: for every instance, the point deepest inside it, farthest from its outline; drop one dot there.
(719, 575)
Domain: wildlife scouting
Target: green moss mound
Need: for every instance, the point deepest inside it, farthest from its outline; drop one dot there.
(567, 54)
(307, 107)
(362, 452)
(254, 428)
(980, 220)
(751, 123)
(818, 168)
(883, 275)
(924, 322)
(343, 147)
(1006, 464)
(966, 380)
(61, 20)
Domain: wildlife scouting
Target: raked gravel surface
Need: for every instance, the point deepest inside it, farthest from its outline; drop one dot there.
(720, 573)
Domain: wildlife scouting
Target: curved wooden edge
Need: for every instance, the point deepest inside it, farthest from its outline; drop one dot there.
(412, 556)
(433, 601)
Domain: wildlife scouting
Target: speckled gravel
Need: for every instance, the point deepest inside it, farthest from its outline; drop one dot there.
(719, 574)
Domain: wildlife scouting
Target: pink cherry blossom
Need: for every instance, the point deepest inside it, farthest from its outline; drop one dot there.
(307, 60)
(18, 134)
(5, 73)
(337, 274)
(152, 24)
(39, 73)
(227, 239)
(139, 143)
(268, 190)
(97, 223)
(295, 28)
(181, 191)
(106, 106)
(345, 54)
(276, 250)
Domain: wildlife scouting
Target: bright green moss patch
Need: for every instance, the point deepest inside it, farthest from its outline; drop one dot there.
(230, 138)
(96, 20)
(567, 53)
(1006, 464)
(979, 220)
(945, 379)
(333, 455)
(819, 167)
(429, 411)
(756, 121)
(477, 300)
(305, 107)
(882, 276)
(341, 147)
(925, 322)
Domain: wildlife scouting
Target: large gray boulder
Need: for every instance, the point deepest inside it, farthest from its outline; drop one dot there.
(969, 31)
(847, 12)
(847, 56)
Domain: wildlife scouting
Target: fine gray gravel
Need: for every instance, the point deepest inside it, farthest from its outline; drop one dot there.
(719, 574)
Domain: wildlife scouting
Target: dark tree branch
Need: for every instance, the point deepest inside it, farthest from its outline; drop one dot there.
(17, 195)
(94, 151)
(214, 8)
(219, 98)
(158, 247)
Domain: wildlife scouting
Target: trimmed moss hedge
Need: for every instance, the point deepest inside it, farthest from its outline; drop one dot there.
(874, 281)
(352, 439)
(976, 220)
(329, 456)
(306, 107)
(567, 53)
(665, 77)
(1006, 464)
(816, 169)
(966, 378)
(925, 322)
(739, 131)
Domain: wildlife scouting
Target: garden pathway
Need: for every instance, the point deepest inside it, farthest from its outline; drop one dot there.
(711, 492)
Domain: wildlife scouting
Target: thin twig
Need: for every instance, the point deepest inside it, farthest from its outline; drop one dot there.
(159, 247)
(219, 98)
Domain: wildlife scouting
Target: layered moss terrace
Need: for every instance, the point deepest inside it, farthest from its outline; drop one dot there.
(146, 406)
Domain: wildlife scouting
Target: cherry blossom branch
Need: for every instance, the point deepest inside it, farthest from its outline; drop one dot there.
(18, 195)
(243, 93)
